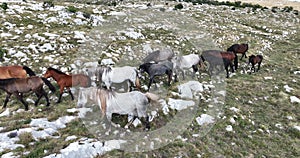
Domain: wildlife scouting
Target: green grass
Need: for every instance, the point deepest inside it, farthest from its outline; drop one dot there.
(261, 105)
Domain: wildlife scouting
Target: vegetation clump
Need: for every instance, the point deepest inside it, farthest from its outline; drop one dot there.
(4, 6)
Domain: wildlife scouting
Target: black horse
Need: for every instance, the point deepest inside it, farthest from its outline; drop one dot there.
(157, 69)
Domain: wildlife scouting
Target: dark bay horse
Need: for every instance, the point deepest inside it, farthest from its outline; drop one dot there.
(159, 69)
(18, 86)
(15, 71)
(221, 58)
(255, 59)
(67, 81)
(239, 48)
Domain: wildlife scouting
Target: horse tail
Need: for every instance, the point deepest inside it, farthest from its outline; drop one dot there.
(29, 71)
(137, 82)
(48, 83)
(152, 97)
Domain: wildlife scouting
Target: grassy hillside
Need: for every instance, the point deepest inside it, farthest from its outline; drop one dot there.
(257, 118)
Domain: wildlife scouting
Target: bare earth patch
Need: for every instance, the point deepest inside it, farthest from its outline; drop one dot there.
(271, 3)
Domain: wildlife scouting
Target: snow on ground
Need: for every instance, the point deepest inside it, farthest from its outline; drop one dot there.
(86, 148)
(294, 99)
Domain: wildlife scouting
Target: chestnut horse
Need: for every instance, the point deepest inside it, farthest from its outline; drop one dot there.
(67, 81)
(255, 60)
(15, 71)
(239, 48)
(18, 86)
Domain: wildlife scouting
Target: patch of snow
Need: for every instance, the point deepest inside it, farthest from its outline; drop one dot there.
(87, 148)
(9, 155)
(115, 13)
(5, 113)
(297, 128)
(186, 90)
(179, 104)
(46, 47)
(234, 109)
(287, 88)
(294, 99)
(5, 35)
(107, 61)
(268, 78)
(205, 119)
(71, 138)
(229, 128)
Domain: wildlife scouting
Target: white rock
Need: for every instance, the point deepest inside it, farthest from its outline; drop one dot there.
(179, 104)
(287, 88)
(229, 128)
(205, 119)
(5, 113)
(294, 99)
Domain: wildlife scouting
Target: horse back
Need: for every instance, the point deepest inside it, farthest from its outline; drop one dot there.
(80, 80)
(13, 71)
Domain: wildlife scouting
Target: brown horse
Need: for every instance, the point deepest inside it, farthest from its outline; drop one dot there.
(18, 86)
(67, 81)
(221, 58)
(239, 48)
(255, 60)
(15, 71)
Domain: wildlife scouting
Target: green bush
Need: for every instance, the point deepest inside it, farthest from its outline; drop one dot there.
(72, 9)
(48, 4)
(4, 6)
(178, 6)
(2, 52)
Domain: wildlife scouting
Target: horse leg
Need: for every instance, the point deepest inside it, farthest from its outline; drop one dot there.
(46, 97)
(258, 66)
(147, 123)
(150, 82)
(20, 97)
(39, 95)
(70, 92)
(195, 69)
(6, 99)
(226, 68)
(61, 90)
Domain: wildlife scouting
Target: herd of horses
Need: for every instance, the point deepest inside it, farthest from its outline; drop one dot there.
(14, 80)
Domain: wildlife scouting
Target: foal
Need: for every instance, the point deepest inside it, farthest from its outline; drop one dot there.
(255, 60)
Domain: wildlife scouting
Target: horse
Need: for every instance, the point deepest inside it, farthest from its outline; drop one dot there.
(255, 59)
(18, 86)
(110, 75)
(157, 69)
(67, 81)
(134, 103)
(239, 48)
(15, 71)
(221, 58)
(159, 55)
(182, 63)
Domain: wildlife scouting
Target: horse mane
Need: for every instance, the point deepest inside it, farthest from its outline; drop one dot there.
(56, 70)
(7, 81)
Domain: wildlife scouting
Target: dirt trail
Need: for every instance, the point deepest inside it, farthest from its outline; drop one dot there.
(271, 3)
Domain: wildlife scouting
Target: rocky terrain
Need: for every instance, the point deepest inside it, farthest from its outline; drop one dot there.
(242, 116)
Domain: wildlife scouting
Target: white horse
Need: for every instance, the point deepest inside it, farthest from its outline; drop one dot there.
(132, 103)
(182, 63)
(110, 75)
